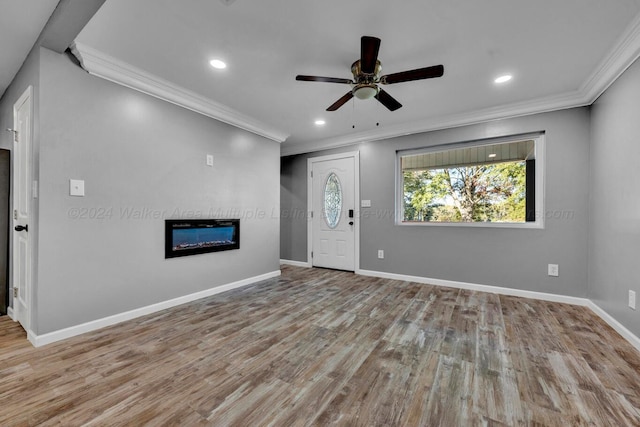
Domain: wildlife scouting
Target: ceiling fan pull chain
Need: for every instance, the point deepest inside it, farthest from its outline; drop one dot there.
(353, 114)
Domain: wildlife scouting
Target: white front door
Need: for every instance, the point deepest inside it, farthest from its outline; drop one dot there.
(22, 136)
(333, 218)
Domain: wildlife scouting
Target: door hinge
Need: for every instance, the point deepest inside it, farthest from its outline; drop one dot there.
(15, 134)
(311, 214)
(311, 254)
(15, 292)
(311, 174)
(15, 214)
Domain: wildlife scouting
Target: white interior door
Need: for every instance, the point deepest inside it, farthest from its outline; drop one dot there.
(333, 207)
(21, 254)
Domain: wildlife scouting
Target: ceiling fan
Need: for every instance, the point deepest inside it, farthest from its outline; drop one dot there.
(366, 77)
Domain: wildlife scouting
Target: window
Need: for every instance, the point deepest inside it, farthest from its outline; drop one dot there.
(332, 200)
(496, 183)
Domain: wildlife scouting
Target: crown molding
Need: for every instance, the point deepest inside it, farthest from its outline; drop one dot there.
(109, 68)
(623, 54)
(546, 104)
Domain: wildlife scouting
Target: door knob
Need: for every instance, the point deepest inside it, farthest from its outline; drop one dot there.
(21, 228)
(350, 222)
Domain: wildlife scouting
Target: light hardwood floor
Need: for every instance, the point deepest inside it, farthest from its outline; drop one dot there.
(320, 347)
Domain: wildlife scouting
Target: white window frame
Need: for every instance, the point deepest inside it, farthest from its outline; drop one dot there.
(539, 141)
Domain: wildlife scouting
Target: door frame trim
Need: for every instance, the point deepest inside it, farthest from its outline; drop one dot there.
(9, 248)
(356, 183)
(27, 94)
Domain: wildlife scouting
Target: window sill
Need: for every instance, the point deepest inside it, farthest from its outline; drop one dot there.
(529, 225)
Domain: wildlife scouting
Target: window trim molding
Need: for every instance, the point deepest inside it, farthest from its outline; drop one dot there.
(539, 140)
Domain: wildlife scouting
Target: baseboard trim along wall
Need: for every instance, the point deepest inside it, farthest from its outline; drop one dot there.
(619, 327)
(477, 287)
(50, 337)
(295, 263)
(626, 334)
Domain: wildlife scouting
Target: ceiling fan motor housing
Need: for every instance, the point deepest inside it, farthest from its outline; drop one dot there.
(366, 85)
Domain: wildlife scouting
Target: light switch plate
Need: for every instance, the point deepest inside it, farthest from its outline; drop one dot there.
(76, 187)
(365, 203)
(209, 159)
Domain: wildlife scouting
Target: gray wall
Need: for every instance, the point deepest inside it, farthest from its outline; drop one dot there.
(142, 160)
(614, 230)
(514, 258)
(293, 206)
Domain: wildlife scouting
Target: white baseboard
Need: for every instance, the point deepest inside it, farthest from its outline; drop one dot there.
(477, 287)
(50, 337)
(40, 340)
(621, 329)
(10, 313)
(295, 263)
(33, 338)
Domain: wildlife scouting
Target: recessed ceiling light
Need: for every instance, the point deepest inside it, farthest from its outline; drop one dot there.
(492, 155)
(503, 79)
(320, 122)
(216, 63)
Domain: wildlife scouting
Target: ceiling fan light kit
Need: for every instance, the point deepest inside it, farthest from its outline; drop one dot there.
(366, 77)
(365, 91)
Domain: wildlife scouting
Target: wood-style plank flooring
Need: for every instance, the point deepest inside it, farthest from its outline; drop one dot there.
(320, 347)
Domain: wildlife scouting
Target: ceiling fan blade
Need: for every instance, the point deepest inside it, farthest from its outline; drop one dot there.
(369, 47)
(418, 74)
(323, 79)
(388, 100)
(340, 102)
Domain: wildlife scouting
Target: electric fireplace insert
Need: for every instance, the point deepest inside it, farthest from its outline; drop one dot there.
(198, 236)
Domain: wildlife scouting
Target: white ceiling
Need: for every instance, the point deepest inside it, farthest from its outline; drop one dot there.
(560, 53)
(20, 24)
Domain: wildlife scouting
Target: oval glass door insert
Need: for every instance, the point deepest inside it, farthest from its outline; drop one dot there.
(332, 200)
